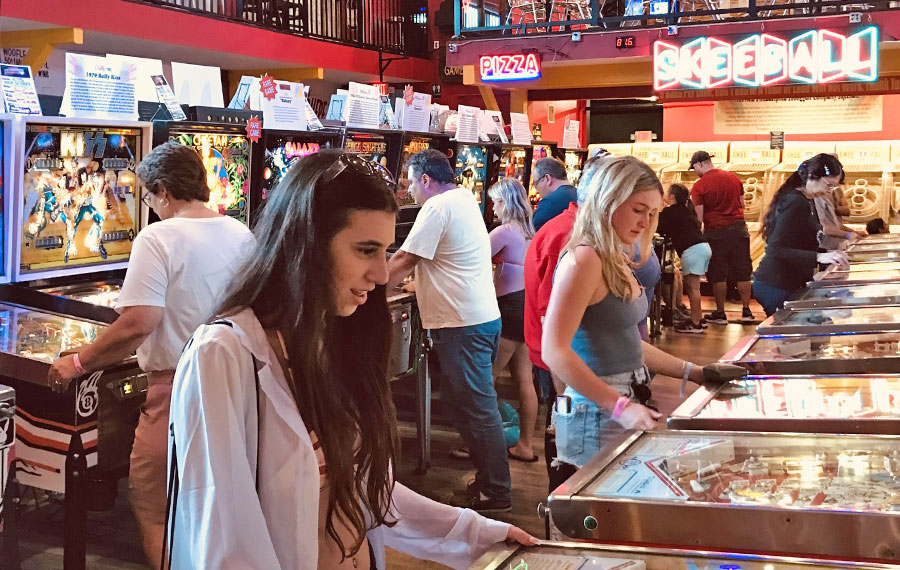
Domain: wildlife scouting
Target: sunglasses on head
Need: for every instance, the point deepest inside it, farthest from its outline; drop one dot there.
(359, 165)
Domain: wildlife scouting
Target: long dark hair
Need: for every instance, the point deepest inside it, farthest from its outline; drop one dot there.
(287, 282)
(819, 166)
(683, 200)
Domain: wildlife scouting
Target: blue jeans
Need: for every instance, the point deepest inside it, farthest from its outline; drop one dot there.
(771, 298)
(464, 358)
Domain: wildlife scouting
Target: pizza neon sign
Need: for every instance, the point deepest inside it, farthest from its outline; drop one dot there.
(808, 57)
(514, 67)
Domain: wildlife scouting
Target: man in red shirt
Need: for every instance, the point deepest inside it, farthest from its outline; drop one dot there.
(719, 200)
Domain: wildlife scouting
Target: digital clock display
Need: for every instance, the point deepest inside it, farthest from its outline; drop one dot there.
(623, 42)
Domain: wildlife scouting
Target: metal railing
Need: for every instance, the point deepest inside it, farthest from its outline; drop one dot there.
(393, 26)
(478, 17)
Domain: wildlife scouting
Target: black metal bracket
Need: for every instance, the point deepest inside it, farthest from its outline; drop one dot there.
(384, 62)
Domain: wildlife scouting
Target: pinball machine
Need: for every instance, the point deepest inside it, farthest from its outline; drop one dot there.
(857, 274)
(832, 320)
(557, 555)
(275, 152)
(384, 148)
(472, 165)
(868, 181)
(845, 296)
(574, 159)
(775, 493)
(827, 403)
(513, 160)
(539, 149)
(226, 153)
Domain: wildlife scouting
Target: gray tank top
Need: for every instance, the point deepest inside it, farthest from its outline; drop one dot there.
(607, 339)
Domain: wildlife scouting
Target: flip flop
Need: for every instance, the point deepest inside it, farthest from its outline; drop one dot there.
(522, 459)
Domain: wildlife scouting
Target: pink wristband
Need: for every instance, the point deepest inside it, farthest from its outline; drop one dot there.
(77, 362)
(620, 406)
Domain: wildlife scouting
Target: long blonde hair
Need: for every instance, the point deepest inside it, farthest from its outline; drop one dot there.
(616, 180)
(516, 209)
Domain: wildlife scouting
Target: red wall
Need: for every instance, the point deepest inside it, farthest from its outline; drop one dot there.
(563, 110)
(693, 122)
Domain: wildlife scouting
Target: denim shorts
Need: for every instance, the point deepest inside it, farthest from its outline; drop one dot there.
(586, 427)
(695, 259)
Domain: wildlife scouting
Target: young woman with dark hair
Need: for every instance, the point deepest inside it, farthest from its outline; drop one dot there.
(284, 434)
(680, 223)
(791, 228)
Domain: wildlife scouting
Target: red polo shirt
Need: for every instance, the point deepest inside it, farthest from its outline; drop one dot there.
(540, 263)
(722, 196)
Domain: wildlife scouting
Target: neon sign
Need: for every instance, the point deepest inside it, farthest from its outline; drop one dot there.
(512, 67)
(760, 60)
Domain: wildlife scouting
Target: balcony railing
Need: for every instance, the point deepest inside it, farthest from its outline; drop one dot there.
(492, 17)
(393, 26)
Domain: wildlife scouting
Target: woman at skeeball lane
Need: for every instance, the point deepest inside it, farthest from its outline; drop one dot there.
(284, 431)
(591, 339)
(791, 229)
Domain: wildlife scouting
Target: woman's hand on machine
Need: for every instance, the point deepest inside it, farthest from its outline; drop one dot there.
(518, 535)
(838, 258)
(636, 416)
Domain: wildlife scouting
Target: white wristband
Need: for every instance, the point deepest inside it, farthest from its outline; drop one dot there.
(688, 366)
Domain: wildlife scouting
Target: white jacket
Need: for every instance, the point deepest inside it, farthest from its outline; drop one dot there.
(221, 522)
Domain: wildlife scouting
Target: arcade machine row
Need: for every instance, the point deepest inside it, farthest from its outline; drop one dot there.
(894, 171)
(657, 155)
(76, 213)
(868, 181)
(574, 159)
(275, 152)
(384, 147)
(413, 142)
(793, 154)
(77, 442)
(681, 172)
(226, 154)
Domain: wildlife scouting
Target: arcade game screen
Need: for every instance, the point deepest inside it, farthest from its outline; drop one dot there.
(226, 157)
(412, 146)
(42, 336)
(371, 147)
(471, 169)
(283, 150)
(80, 202)
(512, 163)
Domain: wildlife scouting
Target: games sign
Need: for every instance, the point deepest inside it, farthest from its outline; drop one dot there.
(512, 67)
(79, 195)
(759, 60)
(226, 157)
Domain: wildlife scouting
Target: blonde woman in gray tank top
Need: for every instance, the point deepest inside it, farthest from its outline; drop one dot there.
(590, 339)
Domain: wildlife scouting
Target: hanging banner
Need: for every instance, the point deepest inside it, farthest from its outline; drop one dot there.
(799, 116)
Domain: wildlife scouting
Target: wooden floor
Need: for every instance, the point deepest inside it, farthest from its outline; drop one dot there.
(112, 536)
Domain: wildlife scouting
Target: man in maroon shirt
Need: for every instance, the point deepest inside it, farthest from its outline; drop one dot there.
(719, 200)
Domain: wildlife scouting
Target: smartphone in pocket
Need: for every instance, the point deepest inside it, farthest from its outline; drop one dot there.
(564, 405)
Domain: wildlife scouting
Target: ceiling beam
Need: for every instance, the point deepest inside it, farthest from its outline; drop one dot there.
(41, 43)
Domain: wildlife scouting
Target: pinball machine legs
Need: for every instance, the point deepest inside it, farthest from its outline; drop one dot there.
(75, 507)
(423, 408)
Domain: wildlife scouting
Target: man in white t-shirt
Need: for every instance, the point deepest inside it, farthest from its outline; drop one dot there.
(450, 250)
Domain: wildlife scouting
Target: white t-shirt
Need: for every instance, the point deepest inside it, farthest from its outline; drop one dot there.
(184, 266)
(454, 281)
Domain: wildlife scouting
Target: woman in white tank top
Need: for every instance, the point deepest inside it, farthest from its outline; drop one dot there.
(177, 274)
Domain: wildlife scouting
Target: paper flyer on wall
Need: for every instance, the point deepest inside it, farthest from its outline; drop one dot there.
(363, 106)
(285, 111)
(145, 68)
(165, 96)
(198, 84)
(467, 124)
(521, 129)
(95, 89)
(17, 91)
(570, 135)
(417, 115)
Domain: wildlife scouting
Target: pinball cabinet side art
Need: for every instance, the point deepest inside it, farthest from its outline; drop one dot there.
(78, 202)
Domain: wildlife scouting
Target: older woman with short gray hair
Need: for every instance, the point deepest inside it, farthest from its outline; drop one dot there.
(177, 274)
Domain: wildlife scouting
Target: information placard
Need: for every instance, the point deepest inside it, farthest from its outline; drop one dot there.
(96, 89)
(17, 90)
